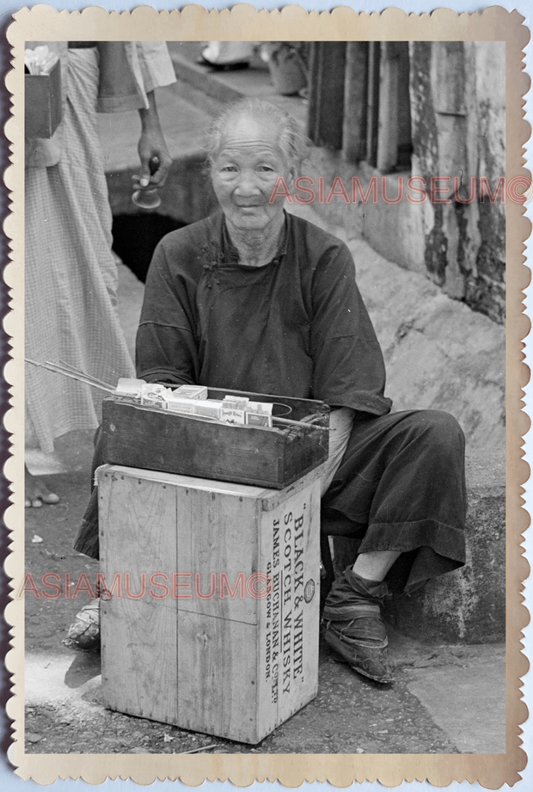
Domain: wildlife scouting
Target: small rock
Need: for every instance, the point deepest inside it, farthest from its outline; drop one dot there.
(36, 539)
(33, 737)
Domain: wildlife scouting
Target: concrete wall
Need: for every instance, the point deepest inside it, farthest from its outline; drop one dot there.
(458, 127)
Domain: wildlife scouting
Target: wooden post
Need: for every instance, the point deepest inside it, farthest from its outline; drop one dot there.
(387, 154)
(448, 77)
(373, 102)
(355, 101)
(326, 93)
(449, 102)
(215, 624)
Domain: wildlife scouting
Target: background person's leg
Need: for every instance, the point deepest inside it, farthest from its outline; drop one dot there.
(36, 492)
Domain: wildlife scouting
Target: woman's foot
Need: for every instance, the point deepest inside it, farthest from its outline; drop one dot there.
(36, 492)
(354, 628)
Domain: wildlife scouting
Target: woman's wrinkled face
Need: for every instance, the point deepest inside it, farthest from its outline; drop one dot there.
(245, 173)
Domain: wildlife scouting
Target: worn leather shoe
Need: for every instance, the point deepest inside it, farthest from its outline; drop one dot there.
(354, 628)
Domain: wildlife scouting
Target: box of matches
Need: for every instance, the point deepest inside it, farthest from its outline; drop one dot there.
(147, 437)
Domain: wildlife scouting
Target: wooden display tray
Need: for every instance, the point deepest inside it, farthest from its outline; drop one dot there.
(154, 439)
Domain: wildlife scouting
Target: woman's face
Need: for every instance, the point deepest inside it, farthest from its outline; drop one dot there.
(245, 174)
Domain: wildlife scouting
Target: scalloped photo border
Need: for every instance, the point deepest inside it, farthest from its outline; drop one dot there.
(194, 23)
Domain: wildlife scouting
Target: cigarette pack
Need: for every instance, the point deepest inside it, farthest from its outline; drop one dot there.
(180, 404)
(258, 419)
(260, 407)
(235, 403)
(232, 415)
(210, 409)
(192, 391)
(152, 393)
(129, 387)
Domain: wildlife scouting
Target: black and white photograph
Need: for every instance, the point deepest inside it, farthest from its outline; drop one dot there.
(264, 435)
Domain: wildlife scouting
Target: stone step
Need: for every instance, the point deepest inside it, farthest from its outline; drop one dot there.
(210, 90)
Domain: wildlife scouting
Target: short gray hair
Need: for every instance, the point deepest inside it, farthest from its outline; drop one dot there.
(292, 141)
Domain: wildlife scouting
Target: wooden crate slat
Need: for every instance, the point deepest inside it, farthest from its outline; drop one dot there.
(217, 552)
(217, 691)
(288, 624)
(138, 635)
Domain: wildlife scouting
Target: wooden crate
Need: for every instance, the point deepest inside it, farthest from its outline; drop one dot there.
(155, 439)
(230, 647)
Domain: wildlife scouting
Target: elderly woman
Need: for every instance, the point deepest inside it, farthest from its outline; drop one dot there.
(256, 299)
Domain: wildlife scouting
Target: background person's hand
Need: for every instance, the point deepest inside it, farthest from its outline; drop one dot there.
(152, 146)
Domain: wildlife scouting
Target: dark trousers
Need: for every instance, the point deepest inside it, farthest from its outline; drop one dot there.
(400, 486)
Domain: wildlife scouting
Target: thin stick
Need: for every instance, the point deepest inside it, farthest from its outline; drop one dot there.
(288, 421)
(82, 379)
(74, 370)
(203, 748)
(87, 378)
